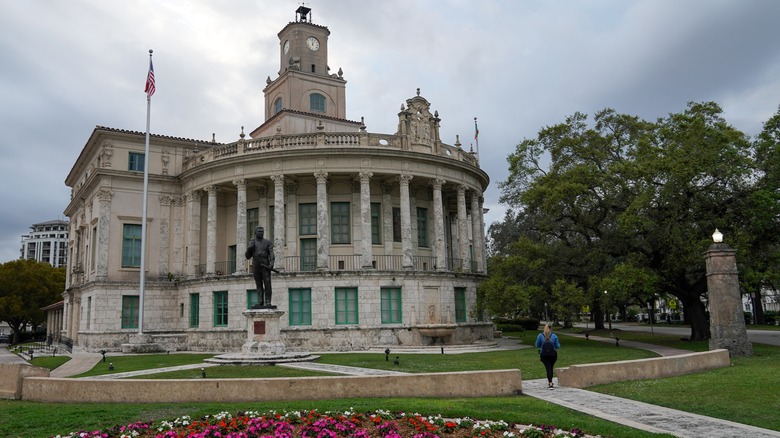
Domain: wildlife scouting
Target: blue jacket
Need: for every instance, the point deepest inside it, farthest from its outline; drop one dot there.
(553, 338)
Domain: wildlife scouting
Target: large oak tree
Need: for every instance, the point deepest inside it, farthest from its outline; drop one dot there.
(626, 197)
(25, 287)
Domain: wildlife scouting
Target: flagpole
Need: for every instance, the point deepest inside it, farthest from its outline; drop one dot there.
(146, 196)
(476, 137)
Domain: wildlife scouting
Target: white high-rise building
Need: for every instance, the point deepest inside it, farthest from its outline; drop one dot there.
(48, 242)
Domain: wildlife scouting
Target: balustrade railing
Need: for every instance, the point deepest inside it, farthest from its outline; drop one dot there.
(352, 262)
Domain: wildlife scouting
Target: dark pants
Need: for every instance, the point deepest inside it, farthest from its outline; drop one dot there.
(549, 362)
(262, 281)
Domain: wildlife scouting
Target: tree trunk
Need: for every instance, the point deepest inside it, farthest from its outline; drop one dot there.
(598, 319)
(696, 316)
(758, 307)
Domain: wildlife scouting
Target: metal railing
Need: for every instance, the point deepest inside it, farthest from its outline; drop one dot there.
(344, 262)
(387, 262)
(424, 263)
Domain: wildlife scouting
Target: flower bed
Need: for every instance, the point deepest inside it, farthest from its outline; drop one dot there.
(311, 424)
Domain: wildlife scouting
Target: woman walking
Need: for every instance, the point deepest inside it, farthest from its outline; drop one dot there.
(548, 345)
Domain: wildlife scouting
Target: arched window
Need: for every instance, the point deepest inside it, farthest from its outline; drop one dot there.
(277, 105)
(317, 102)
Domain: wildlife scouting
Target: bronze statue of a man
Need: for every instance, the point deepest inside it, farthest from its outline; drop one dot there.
(261, 251)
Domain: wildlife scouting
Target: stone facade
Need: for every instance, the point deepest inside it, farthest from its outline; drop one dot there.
(379, 238)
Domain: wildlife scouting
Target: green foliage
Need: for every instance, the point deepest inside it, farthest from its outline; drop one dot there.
(531, 324)
(509, 327)
(628, 206)
(25, 287)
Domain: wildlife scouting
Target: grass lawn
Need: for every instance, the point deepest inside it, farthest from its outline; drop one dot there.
(236, 372)
(49, 362)
(745, 392)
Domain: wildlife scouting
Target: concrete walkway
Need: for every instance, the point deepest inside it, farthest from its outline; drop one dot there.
(631, 413)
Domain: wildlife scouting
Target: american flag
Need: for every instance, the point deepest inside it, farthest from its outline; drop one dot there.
(150, 80)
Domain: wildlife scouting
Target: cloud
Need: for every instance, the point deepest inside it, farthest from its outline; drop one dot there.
(516, 65)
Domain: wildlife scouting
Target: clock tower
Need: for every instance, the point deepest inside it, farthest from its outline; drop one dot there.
(305, 95)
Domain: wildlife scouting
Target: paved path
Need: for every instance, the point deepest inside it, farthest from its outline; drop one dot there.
(631, 413)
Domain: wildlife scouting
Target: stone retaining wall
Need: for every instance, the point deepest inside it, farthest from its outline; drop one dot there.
(585, 375)
(13, 374)
(442, 385)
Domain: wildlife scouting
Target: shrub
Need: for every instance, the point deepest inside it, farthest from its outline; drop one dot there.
(509, 327)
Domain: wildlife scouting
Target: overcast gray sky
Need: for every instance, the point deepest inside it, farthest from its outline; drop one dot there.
(517, 65)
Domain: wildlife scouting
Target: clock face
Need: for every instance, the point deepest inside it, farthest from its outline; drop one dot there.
(313, 44)
(286, 46)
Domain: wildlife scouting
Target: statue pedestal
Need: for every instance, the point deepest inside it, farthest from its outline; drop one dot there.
(263, 344)
(262, 332)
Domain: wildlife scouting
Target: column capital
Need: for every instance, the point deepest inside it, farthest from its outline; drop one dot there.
(104, 195)
(437, 183)
(262, 190)
(277, 179)
(405, 179)
(211, 190)
(240, 183)
(166, 200)
(462, 189)
(365, 177)
(321, 177)
(387, 188)
(194, 195)
(292, 188)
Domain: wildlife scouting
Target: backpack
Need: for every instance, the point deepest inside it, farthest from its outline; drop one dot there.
(548, 348)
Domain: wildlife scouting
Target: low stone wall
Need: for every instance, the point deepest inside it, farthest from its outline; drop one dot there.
(442, 385)
(585, 375)
(12, 376)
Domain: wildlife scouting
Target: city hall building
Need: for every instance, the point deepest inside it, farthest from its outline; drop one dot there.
(378, 238)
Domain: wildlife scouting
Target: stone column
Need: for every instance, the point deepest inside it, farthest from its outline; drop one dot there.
(438, 226)
(365, 219)
(211, 229)
(291, 219)
(165, 242)
(477, 236)
(104, 201)
(727, 322)
(387, 219)
(463, 229)
(193, 234)
(406, 223)
(177, 240)
(262, 210)
(278, 221)
(323, 221)
(241, 230)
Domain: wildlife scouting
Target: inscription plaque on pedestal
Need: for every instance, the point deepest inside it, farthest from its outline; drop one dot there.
(259, 327)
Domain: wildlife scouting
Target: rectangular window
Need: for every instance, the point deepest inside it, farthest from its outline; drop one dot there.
(391, 305)
(131, 246)
(307, 219)
(308, 254)
(251, 298)
(376, 223)
(460, 304)
(346, 305)
(422, 227)
(316, 101)
(221, 309)
(396, 224)
(232, 259)
(194, 310)
(300, 306)
(129, 311)
(339, 222)
(135, 162)
(252, 215)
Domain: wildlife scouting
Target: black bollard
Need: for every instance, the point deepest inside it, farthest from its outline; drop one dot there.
(396, 361)
(387, 354)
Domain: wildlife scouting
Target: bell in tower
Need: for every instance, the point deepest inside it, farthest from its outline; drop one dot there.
(301, 14)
